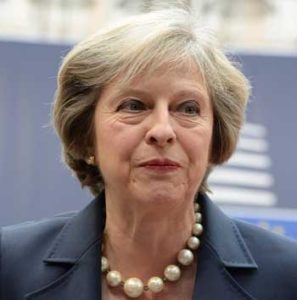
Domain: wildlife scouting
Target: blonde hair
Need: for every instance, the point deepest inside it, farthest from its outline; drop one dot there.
(144, 43)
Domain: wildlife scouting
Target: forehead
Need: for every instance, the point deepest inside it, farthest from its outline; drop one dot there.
(187, 74)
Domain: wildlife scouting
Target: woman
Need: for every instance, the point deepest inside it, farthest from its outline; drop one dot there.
(145, 110)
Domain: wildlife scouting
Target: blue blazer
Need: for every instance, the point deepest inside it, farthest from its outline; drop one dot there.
(59, 259)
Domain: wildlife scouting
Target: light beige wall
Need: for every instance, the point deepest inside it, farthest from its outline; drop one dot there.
(255, 25)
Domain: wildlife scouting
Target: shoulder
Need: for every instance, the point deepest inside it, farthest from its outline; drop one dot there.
(266, 241)
(23, 248)
(275, 255)
(31, 234)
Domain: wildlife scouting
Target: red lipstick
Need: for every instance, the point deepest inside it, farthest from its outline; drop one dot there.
(161, 164)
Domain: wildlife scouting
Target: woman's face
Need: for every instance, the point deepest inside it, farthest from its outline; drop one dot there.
(153, 136)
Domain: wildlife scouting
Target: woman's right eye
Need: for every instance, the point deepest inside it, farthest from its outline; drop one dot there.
(132, 105)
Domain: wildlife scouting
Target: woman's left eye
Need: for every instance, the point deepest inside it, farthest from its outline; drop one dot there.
(132, 105)
(189, 107)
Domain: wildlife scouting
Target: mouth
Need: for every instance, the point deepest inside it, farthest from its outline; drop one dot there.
(161, 164)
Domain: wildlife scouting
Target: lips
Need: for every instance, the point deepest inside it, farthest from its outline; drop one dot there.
(160, 163)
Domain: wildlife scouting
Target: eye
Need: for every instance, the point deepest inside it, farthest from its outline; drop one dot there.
(190, 107)
(132, 105)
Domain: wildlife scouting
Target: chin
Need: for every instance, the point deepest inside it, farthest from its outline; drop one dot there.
(162, 195)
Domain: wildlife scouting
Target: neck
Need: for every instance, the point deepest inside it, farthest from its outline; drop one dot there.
(143, 238)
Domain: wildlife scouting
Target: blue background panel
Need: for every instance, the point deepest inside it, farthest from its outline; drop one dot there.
(284, 227)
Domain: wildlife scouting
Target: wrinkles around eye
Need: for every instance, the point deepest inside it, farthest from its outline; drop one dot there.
(189, 108)
(188, 120)
(132, 105)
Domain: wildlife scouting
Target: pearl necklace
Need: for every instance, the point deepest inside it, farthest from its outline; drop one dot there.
(134, 287)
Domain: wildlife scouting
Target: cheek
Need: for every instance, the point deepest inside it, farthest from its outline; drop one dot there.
(199, 162)
(116, 142)
(199, 147)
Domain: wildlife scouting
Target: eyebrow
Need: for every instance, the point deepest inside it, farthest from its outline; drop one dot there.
(193, 92)
(126, 92)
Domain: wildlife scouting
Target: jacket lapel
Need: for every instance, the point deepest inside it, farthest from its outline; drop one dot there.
(223, 250)
(77, 246)
(80, 282)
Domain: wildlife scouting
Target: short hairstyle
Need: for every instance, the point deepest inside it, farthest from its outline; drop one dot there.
(144, 43)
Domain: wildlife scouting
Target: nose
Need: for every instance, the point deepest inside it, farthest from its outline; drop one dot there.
(161, 132)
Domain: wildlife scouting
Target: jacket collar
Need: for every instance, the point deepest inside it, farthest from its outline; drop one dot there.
(78, 244)
(222, 248)
(79, 233)
(223, 237)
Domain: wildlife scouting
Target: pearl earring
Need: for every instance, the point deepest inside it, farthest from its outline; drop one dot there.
(90, 160)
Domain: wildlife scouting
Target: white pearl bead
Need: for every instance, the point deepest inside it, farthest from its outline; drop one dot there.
(172, 272)
(155, 284)
(197, 229)
(114, 278)
(133, 287)
(104, 264)
(185, 257)
(193, 243)
(198, 217)
(196, 207)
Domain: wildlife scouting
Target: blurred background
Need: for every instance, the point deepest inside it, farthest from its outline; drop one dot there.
(250, 25)
(257, 184)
